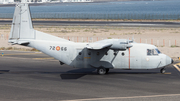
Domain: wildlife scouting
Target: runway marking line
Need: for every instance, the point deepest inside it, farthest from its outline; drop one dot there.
(42, 58)
(165, 73)
(177, 66)
(130, 97)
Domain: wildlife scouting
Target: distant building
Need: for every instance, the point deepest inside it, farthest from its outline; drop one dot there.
(46, 0)
(76, 0)
(6, 1)
(34, 1)
(43, 1)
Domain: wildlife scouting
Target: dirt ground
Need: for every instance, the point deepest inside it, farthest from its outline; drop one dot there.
(166, 39)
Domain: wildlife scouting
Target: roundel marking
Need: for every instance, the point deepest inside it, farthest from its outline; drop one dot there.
(57, 48)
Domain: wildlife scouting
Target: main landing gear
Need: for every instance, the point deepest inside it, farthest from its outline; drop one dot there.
(163, 70)
(102, 70)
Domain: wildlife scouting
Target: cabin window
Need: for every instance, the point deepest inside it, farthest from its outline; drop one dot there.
(89, 53)
(98, 53)
(79, 53)
(123, 54)
(115, 53)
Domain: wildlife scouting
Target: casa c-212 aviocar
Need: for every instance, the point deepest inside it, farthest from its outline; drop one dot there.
(102, 55)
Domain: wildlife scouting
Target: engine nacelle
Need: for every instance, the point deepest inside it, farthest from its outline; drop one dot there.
(120, 45)
(114, 44)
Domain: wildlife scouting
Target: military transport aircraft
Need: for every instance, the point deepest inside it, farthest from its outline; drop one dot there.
(102, 55)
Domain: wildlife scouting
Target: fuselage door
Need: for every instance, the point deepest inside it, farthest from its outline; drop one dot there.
(79, 58)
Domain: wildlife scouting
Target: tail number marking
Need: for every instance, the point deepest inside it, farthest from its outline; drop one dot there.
(57, 48)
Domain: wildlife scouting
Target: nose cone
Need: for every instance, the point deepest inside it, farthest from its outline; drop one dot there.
(169, 60)
(172, 61)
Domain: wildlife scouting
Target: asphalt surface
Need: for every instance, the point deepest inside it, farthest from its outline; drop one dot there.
(102, 23)
(31, 76)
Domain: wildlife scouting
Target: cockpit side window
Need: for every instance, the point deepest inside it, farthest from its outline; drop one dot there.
(154, 52)
(151, 52)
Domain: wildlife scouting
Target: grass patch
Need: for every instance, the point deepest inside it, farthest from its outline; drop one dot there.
(172, 46)
(175, 32)
(113, 34)
(18, 49)
(86, 30)
(2, 48)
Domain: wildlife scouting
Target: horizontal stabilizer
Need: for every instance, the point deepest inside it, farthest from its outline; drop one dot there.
(20, 42)
(23, 42)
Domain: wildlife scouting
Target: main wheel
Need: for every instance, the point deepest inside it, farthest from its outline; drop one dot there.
(163, 70)
(101, 70)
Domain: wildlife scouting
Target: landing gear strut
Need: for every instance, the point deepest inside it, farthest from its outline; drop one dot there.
(163, 70)
(102, 70)
(107, 70)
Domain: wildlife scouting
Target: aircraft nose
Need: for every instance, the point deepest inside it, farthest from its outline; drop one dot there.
(172, 61)
(169, 60)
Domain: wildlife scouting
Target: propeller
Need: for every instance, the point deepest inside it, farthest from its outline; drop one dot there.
(129, 45)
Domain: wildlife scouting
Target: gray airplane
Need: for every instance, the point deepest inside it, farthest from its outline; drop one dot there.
(102, 55)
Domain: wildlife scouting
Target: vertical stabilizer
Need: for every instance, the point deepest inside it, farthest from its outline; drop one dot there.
(22, 25)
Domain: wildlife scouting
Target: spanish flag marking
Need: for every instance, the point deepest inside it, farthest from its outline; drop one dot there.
(57, 48)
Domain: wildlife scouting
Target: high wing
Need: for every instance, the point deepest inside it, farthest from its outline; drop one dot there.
(97, 46)
(114, 44)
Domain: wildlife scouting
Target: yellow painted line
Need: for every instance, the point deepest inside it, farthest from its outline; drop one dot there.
(129, 97)
(177, 67)
(168, 73)
(165, 73)
(22, 54)
(42, 58)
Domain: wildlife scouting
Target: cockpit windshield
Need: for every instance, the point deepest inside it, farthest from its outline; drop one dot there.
(152, 52)
(157, 51)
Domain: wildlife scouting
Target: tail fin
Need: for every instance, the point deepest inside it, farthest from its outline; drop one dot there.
(22, 31)
(22, 25)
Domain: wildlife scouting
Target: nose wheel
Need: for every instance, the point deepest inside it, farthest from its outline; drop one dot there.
(163, 70)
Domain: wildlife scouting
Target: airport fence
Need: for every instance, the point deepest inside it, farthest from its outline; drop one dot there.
(156, 42)
(99, 16)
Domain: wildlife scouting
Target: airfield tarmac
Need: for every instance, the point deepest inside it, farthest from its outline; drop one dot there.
(27, 76)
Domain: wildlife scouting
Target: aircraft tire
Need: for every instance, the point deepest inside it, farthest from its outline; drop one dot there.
(163, 70)
(101, 71)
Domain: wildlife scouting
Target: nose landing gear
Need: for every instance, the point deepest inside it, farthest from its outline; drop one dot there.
(163, 70)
